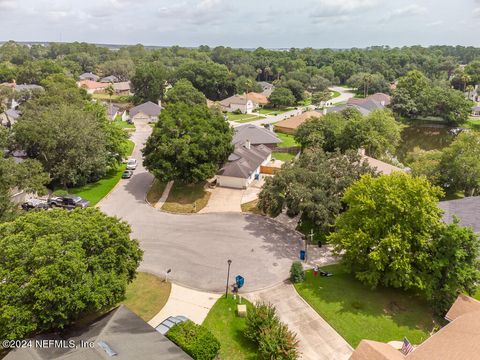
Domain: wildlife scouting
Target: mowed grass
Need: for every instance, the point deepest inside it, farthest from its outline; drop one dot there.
(223, 322)
(94, 192)
(357, 312)
(271, 111)
(334, 94)
(251, 207)
(147, 295)
(155, 192)
(186, 199)
(473, 124)
(288, 140)
(283, 156)
(123, 124)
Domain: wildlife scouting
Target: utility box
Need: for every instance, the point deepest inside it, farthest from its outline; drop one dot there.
(242, 310)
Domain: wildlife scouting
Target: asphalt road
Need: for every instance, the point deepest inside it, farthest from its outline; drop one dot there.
(196, 247)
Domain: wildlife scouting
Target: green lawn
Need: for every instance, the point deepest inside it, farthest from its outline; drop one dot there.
(283, 156)
(155, 192)
(473, 124)
(271, 111)
(123, 124)
(94, 192)
(186, 199)
(243, 117)
(356, 312)
(115, 98)
(287, 140)
(335, 94)
(227, 327)
(251, 207)
(147, 295)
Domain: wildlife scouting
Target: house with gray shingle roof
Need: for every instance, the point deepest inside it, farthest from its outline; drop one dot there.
(88, 76)
(146, 112)
(9, 117)
(119, 334)
(244, 165)
(240, 103)
(256, 135)
(466, 209)
(109, 79)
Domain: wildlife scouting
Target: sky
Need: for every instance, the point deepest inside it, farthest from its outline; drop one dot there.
(244, 23)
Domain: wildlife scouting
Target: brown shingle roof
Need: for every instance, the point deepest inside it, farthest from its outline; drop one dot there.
(243, 161)
(295, 121)
(374, 350)
(89, 84)
(257, 98)
(463, 305)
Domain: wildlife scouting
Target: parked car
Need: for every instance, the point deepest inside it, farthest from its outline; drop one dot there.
(169, 322)
(35, 204)
(127, 174)
(68, 202)
(131, 164)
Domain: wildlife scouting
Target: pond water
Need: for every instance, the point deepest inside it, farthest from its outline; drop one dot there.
(426, 137)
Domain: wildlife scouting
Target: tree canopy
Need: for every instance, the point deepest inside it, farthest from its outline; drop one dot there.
(184, 91)
(313, 185)
(60, 265)
(188, 143)
(282, 96)
(149, 82)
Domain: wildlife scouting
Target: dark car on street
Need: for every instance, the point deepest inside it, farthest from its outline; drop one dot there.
(32, 204)
(127, 174)
(68, 202)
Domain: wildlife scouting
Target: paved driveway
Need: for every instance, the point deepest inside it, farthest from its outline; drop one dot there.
(224, 200)
(345, 94)
(317, 339)
(196, 247)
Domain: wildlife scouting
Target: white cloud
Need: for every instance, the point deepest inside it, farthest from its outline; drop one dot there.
(203, 13)
(476, 12)
(406, 11)
(336, 8)
(7, 5)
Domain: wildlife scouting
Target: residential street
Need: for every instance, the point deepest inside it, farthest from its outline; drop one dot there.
(345, 94)
(197, 247)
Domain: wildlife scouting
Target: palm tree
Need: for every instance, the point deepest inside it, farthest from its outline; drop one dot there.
(110, 91)
(367, 81)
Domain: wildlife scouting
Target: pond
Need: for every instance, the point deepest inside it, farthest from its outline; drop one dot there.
(426, 137)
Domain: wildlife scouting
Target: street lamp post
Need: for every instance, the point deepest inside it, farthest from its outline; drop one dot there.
(229, 262)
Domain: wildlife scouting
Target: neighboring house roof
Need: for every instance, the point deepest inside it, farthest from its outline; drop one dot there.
(476, 108)
(244, 160)
(121, 330)
(109, 79)
(374, 350)
(378, 97)
(12, 113)
(295, 121)
(29, 87)
(149, 108)
(89, 76)
(235, 99)
(90, 84)
(122, 86)
(460, 339)
(255, 134)
(463, 305)
(467, 209)
(342, 107)
(257, 98)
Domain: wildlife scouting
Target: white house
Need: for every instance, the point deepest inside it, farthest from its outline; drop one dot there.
(238, 103)
(244, 165)
(146, 112)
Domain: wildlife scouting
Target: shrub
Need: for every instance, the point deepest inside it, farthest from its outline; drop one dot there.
(297, 275)
(261, 316)
(60, 192)
(278, 343)
(274, 340)
(237, 112)
(196, 340)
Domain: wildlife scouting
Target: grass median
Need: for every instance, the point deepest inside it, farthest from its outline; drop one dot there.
(186, 198)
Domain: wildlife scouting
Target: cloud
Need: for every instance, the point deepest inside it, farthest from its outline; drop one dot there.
(336, 8)
(7, 5)
(406, 11)
(476, 11)
(204, 12)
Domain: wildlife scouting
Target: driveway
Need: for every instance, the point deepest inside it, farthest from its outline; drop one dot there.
(197, 247)
(345, 94)
(317, 339)
(224, 200)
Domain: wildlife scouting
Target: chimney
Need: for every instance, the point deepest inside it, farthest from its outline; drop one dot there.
(159, 102)
(382, 102)
(324, 111)
(361, 152)
(248, 145)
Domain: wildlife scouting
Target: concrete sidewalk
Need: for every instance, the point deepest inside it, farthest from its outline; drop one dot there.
(164, 196)
(193, 304)
(317, 339)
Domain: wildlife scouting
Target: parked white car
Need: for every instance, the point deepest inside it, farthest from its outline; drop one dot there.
(131, 164)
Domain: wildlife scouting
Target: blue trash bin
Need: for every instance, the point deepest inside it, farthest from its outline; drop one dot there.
(302, 254)
(240, 281)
